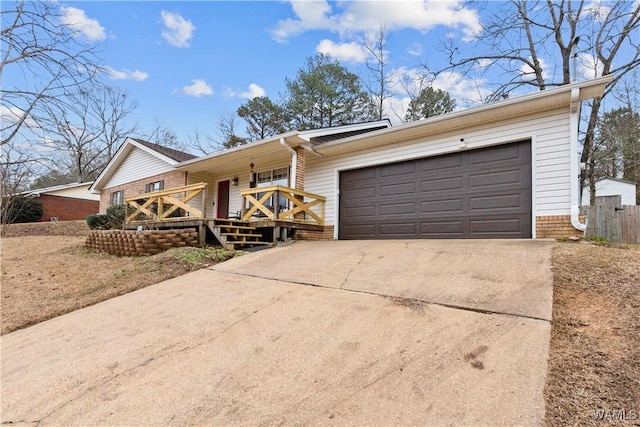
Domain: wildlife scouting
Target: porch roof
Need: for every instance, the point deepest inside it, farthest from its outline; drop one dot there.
(243, 155)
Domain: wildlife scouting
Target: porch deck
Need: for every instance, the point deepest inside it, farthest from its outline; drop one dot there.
(258, 223)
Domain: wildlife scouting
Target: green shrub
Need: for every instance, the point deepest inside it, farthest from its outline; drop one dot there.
(98, 222)
(116, 214)
(22, 209)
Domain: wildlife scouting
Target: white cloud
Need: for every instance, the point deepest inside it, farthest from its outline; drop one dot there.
(311, 15)
(253, 92)
(415, 49)
(359, 16)
(588, 66)
(527, 71)
(77, 20)
(598, 9)
(177, 30)
(467, 92)
(198, 88)
(348, 52)
(9, 116)
(124, 74)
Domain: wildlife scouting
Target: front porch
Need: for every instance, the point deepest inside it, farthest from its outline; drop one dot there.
(268, 214)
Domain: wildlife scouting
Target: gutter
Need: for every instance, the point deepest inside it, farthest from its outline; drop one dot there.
(574, 120)
(294, 161)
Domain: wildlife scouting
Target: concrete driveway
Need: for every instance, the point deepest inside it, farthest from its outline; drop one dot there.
(419, 332)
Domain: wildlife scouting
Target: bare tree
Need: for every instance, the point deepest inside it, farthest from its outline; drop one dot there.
(379, 84)
(201, 144)
(84, 132)
(112, 107)
(229, 136)
(43, 60)
(163, 135)
(16, 171)
(536, 44)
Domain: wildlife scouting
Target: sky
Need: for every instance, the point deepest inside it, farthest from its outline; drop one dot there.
(187, 63)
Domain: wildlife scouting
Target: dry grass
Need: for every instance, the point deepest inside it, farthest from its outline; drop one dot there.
(46, 276)
(594, 361)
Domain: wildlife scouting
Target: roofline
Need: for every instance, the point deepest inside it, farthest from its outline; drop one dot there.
(597, 85)
(57, 187)
(128, 141)
(313, 133)
(294, 136)
(271, 139)
(624, 181)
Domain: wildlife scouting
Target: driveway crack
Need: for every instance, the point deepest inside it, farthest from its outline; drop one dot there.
(346, 278)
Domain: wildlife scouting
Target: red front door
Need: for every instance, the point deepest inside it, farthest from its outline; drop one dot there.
(223, 199)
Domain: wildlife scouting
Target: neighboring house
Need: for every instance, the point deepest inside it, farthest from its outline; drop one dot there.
(612, 187)
(139, 167)
(69, 202)
(502, 170)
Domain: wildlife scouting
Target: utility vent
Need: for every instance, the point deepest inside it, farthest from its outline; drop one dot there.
(54, 219)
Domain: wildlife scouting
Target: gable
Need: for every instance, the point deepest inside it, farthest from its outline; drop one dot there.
(137, 165)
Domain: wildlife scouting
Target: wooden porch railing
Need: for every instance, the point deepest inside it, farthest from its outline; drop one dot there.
(283, 204)
(166, 204)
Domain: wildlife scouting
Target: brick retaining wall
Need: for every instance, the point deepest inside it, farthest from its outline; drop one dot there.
(140, 243)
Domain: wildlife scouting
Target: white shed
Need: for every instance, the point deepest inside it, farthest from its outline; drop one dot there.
(612, 187)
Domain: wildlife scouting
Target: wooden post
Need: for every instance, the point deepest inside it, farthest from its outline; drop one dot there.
(244, 208)
(276, 205)
(202, 234)
(204, 203)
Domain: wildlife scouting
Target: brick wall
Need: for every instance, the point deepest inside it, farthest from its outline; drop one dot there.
(325, 234)
(300, 168)
(556, 227)
(66, 208)
(171, 180)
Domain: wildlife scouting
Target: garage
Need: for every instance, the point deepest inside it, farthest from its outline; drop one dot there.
(481, 193)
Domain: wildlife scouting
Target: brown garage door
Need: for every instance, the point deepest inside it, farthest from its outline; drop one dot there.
(483, 193)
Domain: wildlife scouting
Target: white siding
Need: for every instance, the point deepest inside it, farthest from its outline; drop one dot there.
(549, 133)
(138, 165)
(80, 192)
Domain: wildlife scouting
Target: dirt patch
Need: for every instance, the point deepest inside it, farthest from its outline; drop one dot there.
(46, 276)
(594, 361)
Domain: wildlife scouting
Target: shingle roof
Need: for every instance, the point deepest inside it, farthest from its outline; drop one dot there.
(178, 156)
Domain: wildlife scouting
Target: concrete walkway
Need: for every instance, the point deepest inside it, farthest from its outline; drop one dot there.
(316, 333)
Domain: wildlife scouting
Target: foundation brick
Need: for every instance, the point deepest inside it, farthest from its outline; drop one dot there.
(556, 227)
(325, 234)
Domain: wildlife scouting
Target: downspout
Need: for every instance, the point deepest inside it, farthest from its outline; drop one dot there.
(294, 161)
(574, 121)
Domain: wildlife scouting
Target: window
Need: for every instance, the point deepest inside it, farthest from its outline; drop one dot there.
(268, 178)
(117, 198)
(154, 186)
(278, 176)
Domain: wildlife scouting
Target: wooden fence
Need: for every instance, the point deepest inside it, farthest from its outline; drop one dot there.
(617, 224)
